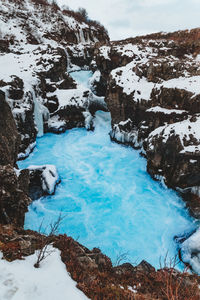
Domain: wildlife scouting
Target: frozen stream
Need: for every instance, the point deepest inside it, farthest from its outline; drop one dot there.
(107, 197)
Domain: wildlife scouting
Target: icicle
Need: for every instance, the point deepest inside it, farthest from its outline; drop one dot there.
(68, 60)
(38, 116)
(41, 113)
(82, 38)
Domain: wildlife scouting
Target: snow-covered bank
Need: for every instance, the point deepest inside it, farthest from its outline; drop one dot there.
(19, 280)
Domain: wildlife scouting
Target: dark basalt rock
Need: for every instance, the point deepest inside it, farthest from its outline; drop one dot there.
(124, 269)
(15, 91)
(168, 158)
(99, 87)
(43, 181)
(13, 190)
(23, 106)
(67, 83)
(72, 116)
(155, 119)
(80, 57)
(26, 124)
(52, 104)
(145, 267)
(175, 98)
(4, 46)
(192, 203)
(15, 94)
(9, 137)
(13, 198)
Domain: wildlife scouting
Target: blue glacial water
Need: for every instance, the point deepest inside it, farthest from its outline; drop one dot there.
(82, 77)
(108, 199)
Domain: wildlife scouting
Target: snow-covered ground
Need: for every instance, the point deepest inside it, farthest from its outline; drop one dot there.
(19, 280)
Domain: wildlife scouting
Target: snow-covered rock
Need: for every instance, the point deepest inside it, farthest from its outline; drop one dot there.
(190, 251)
(173, 152)
(124, 133)
(43, 180)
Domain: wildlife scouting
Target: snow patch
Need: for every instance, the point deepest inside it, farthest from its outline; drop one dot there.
(166, 111)
(19, 280)
(28, 150)
(126, 78)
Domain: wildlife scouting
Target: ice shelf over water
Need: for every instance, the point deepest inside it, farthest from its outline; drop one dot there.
(107, 197)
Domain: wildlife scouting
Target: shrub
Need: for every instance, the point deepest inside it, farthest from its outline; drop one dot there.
(83, 12)
(44, 251)
(53, 4)
(41, 2)
(71, 13)
(176, 285)
(98, 25)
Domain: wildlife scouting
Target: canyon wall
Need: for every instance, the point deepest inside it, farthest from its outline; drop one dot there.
(153, 94)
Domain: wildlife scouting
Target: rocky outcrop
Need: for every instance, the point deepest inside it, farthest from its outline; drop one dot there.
(173, 153)
(9, 137)
(13, 185)
(43, 181)
(13, 195)
(49, 100)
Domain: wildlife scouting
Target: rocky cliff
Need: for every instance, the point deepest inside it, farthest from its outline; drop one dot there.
(13, 184)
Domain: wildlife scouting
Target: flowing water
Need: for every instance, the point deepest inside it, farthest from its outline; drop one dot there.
(107, 197)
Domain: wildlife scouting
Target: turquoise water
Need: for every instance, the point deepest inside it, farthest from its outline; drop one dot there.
(107, 197)
(82, 77)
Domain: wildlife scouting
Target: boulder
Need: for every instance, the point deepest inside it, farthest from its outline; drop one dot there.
(43, 181)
